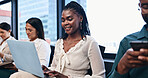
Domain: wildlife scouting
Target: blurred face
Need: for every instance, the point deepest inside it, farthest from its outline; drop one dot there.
(71, 22)
(31, 32)
(144, 9)
(4, 34)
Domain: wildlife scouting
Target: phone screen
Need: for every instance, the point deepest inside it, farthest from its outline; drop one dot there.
(137, 45)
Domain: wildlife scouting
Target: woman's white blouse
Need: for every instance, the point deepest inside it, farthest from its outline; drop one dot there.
(4, 48)
(43, 51)
(79, 59)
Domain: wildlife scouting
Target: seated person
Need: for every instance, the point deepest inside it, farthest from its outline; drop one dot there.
(5, 34)
(5, 55)
(76, 51)
(35, 33)
(129, 63)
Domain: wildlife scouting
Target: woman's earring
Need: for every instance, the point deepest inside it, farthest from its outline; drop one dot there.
(139, 9)
(81, 25)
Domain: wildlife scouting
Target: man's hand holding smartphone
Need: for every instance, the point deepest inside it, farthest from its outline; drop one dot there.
(143, 55)
(142, 47)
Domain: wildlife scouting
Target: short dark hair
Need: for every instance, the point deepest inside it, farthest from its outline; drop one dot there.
(79, 9)
(37, 24)
(6, 26)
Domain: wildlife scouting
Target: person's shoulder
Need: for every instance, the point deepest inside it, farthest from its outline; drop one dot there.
(12, 38)
(41, 41)
(131, 36)
(89, 38)
(134, 35)
(59, 41)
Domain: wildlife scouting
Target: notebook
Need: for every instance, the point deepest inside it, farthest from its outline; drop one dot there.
(25, 57)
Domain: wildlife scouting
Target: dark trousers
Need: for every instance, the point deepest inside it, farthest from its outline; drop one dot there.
(5, 73)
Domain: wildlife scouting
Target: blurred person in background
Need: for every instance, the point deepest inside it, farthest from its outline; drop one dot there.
(5, 54)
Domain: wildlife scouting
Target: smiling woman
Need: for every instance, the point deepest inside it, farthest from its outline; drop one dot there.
(69, 20)
(5, 55)
(76, 51)
(110, 19)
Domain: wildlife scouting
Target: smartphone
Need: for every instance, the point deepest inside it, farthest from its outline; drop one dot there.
(137, 45)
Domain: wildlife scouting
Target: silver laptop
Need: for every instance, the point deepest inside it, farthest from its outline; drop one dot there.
(25, 57)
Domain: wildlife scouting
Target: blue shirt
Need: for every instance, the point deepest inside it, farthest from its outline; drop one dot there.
(141, 72)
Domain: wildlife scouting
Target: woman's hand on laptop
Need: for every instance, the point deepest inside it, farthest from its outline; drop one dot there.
(10, 66)
(50, 73)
